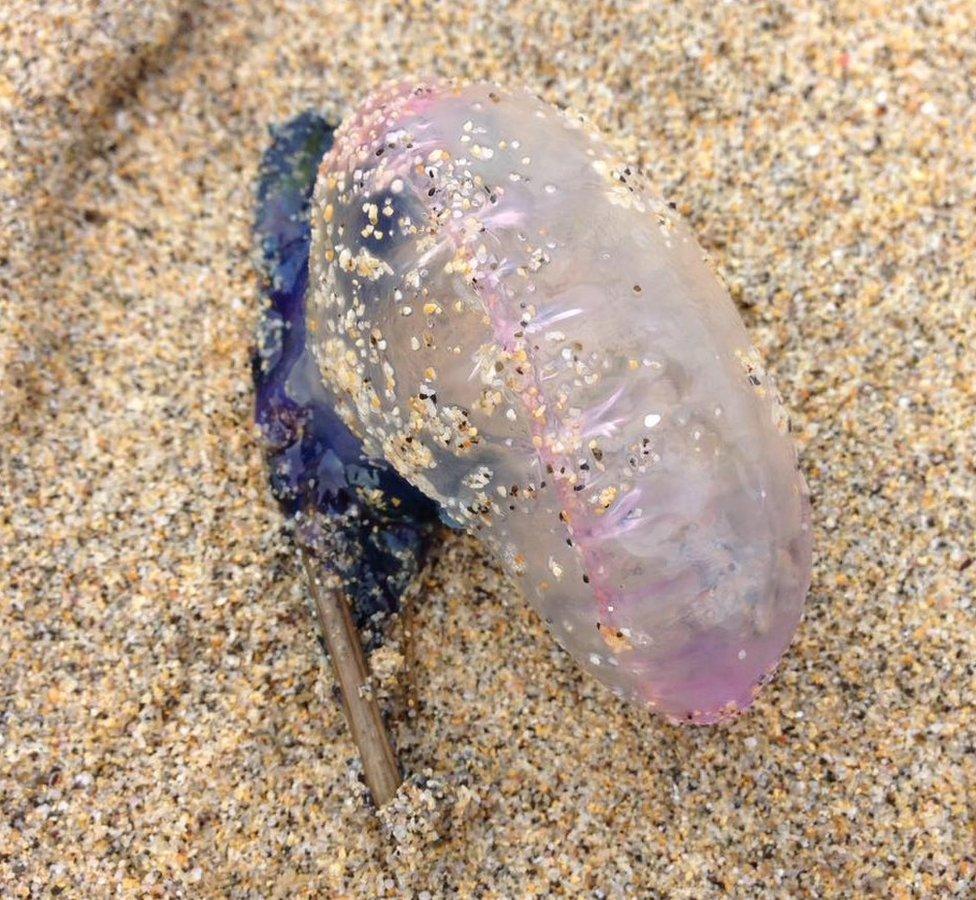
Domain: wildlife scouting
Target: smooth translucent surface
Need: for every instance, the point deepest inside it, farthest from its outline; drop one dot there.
(508, 317)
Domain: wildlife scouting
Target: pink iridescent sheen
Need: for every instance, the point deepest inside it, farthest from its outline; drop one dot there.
(506, 313)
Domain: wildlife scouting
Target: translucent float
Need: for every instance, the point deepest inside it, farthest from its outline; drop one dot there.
(503, 312)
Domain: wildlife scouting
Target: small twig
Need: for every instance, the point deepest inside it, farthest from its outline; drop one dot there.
(360, 706)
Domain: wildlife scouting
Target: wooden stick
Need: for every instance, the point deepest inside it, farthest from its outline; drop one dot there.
(360, 706)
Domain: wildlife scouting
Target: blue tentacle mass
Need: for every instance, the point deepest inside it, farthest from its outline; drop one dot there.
(360, 518)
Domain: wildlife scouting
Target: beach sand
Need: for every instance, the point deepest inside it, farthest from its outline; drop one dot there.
(167, 727)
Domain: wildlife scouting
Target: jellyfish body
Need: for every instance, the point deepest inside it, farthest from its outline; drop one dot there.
(507, 315)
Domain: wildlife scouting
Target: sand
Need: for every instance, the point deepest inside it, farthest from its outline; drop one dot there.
(166, 725)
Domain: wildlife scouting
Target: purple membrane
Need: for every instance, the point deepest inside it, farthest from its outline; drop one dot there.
(358, 516)
(507, 315)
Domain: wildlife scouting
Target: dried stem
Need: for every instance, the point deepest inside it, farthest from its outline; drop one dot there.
(360, 706)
